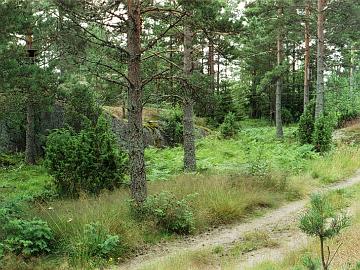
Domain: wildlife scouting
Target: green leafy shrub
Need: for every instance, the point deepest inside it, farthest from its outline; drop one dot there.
(94, 242)
(81, 106)
(229, 128)
(89, 161)
(28, 238)
(307, 125)
(172, 126)
(9, 210)
(167, 212)
(7, 160)
(322, 136)
(258, 167)
(2, 250)
(286, 116)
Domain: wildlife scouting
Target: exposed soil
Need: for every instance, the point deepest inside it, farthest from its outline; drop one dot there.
(280, 224)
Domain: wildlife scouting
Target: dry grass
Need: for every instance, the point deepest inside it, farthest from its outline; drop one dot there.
(188, 260)
(216, 258)
(337, 165)
(215, 200)
(220, 199)
(349, 254)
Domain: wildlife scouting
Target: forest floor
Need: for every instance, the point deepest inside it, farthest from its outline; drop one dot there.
(278, 229)
(233, 196)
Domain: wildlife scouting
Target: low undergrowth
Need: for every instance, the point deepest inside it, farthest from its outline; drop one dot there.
(238, 178)
(215, 200)
(253, 150)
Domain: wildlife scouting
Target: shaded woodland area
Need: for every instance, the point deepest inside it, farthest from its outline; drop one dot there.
(128, 123)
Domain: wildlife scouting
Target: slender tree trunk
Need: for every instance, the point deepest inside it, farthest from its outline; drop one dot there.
(323, 262)
(202, 58)
(278, 120)
(188, 105)
(307, 55)
(30, 148)
(352, 69)
(135, 105)
(319, 108)
(294, 68)
(171, 65)
(218, 73)
(211, 65)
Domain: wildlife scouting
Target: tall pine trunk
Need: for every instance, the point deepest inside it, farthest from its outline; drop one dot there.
(210, 105)
(218, 73)
(30, 147)
(135, 105)
(188, 105)
(211, 65)
(319, 108)
(279, 85)
(307, 55)
(30, 150)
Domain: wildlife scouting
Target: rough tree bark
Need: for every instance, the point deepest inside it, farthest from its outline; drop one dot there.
(30, 148)
(319, 107)
(307, 55)
(211, 65)
(352, 69)
(135, 104)
(278, 120)
(188, 105)
(218, 73)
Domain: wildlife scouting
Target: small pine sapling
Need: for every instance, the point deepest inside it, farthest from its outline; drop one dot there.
(322, 221)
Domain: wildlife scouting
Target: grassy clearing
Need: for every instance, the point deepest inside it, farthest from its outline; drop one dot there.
(218, 200)
(238, 178)
(22, 181)
(255, 150)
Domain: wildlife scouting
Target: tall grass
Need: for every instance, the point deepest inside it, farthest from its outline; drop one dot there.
(216, 200)
(238, 178)
(336, 165)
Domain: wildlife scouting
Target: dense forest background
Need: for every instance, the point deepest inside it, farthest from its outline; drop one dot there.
(212, 59)
(92, 91)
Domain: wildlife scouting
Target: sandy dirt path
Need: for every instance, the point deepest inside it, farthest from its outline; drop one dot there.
(280, 224)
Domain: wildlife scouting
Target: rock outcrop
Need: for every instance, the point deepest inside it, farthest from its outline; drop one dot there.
(13, 140)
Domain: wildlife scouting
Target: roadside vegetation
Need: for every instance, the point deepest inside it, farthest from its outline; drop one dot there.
(241, 178)
(130, 126)
(343, 245)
